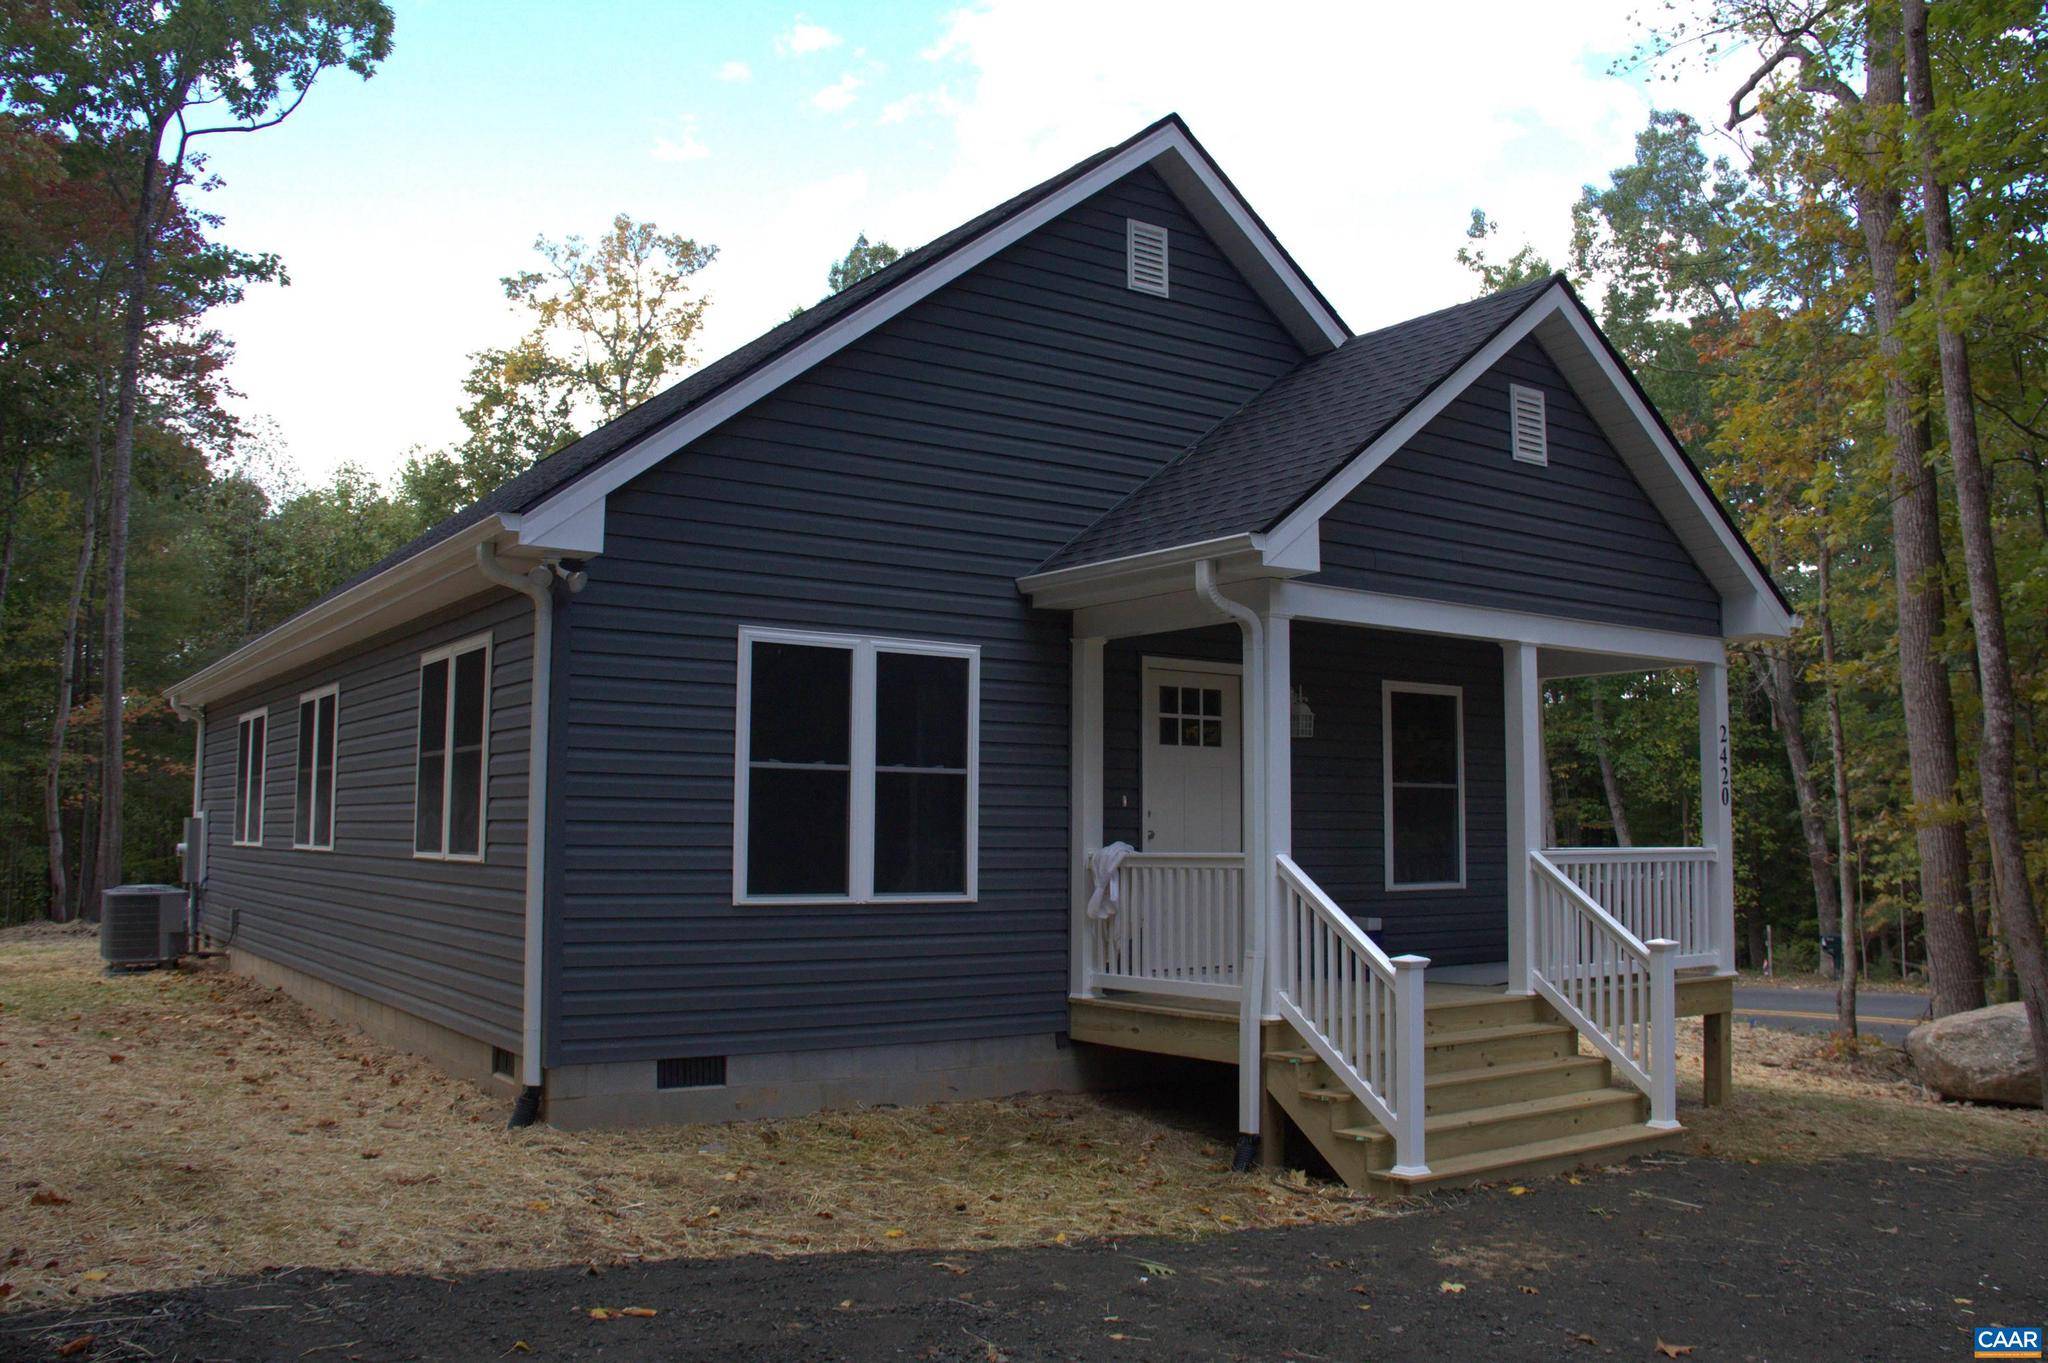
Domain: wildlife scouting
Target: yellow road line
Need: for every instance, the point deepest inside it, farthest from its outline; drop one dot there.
(1863, 1019)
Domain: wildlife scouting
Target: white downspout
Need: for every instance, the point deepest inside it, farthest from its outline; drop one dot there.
(1258, 873)
(538, 585)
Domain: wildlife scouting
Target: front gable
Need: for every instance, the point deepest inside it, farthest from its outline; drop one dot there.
(1453, 516)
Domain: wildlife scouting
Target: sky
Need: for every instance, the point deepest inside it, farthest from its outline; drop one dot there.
(1364, 133)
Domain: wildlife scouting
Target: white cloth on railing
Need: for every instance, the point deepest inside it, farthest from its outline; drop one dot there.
(1102, 867)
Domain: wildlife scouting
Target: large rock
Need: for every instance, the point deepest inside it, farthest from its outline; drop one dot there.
(1984, 1055)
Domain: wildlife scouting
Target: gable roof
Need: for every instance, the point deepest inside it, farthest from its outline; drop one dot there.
(556, 506)
(1261, 461)
(1263, 476)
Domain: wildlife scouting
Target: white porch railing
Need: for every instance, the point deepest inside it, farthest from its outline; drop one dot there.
(1359, 1010)
(1653, 892)
(1177, 929)
(1619, 991)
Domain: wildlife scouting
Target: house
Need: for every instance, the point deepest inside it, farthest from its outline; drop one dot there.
(751, 754)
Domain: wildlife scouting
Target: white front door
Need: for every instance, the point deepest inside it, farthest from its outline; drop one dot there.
(1193, 725)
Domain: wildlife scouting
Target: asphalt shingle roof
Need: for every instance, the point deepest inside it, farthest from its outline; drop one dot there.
(1263, 460)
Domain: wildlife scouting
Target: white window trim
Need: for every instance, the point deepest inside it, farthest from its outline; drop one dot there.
(1518, 393)
(448, 653)
(334, 774)
(258, 756)
(860, 848)
(1388, 689)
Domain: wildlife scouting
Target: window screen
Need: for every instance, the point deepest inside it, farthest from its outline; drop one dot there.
(250, 735)
(1425, 789)
(452, 769)
(313, 796)
(858, 779)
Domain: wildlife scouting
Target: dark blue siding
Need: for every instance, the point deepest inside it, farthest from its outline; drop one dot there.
(898, 490)
(443, 940)
(1339, 792)
(1453, 517)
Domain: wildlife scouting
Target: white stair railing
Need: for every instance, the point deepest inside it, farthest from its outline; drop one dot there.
(1653, 892)
(1619, 991)
(1177, 927)
(1359, 1010)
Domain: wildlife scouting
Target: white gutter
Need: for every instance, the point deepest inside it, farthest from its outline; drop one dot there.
(538, 584)
(1258, 870)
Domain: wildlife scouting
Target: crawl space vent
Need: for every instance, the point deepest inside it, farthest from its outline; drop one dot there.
(504, 1064)
(690, 1072)
(1525, 416)
(1145, 257)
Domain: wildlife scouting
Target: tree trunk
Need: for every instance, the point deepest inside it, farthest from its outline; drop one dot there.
(2019, 925)
(135, 323)
(1845, 861)
(7, 541)
(1952, 958)
(1783, 692)
(67, 670)
(1615, 811)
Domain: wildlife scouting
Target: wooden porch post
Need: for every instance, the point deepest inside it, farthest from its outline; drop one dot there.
(1522, 692)
(1716, 807)
(1084, 803)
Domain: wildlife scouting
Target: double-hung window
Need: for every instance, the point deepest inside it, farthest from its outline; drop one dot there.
(857, 769)
(1423, 728)
(453, 761)
(313, 798)
(251, 730)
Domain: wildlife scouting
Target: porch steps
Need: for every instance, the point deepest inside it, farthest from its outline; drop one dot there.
(1507, 1095)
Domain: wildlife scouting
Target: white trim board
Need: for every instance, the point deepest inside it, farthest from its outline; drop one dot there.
(1417, 615)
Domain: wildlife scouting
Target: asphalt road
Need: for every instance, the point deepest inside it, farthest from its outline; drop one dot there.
(1889, 1016)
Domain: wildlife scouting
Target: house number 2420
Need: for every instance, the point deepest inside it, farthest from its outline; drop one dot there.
(1724, 766)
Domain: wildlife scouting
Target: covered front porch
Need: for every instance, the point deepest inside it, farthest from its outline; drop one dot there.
(1334, 805)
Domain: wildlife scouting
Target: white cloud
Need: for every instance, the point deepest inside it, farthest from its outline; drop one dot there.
(837, 96)
(918, 104)
(735, 71)
(684, 146)
(804, 38)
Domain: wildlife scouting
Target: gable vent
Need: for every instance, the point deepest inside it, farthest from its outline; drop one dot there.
(1145, 257)
(1527, 425)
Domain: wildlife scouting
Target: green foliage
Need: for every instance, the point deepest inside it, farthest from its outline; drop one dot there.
(860, 261)
(1524, 266)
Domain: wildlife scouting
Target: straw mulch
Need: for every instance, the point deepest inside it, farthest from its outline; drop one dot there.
(164, 1128)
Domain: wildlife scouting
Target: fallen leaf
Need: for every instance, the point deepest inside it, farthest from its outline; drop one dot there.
(115, 1059)
(893, 1233)
(1584, 1338)
(1673, 1350)
(94, 1275)
(599, 1313)
(639, 1312)
(1529, 1291)
(1060, 1239)
(46, 1198)
(74, 1346)
(1450, 1289)
(1155, 1268)
(1517, 1191)
(536, 1206)
(372, 1154)
(520, 1346)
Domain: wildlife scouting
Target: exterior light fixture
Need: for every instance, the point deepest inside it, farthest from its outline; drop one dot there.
(1304, 718)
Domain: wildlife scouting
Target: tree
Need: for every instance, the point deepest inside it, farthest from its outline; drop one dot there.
(862, 259)
(1820, 40)
(2019, 923)
(125, 79)
(612, 320)
(1525, 266)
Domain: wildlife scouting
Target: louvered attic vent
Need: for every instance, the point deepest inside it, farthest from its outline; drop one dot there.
(1526, 422)
(1145, 257)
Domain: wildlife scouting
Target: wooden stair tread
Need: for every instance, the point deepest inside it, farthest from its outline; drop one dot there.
(1479, 1036)
(1293, 1057)
(1504, 1112)
(1483, 1073)
(1580, 1145)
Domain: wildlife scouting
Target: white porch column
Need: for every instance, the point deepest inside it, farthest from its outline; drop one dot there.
(1277, 750)
(1717, 829)
(1522, 693)
(1084, 802)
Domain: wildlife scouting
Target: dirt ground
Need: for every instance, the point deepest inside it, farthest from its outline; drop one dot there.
(1674, 1258)
(188, 1126)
